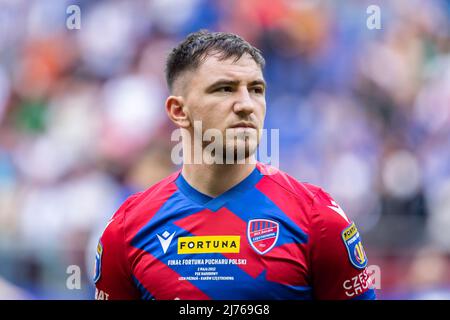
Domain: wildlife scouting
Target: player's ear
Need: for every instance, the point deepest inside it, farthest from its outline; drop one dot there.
(177, 112)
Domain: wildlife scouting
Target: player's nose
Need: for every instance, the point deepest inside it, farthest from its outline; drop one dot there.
(244, 102)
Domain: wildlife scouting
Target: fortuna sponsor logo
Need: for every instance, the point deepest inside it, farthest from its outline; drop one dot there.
(209, 244)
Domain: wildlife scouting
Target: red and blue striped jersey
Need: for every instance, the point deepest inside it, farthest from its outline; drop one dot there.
(268, 237)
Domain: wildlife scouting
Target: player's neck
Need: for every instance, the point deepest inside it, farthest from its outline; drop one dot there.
(213, 180)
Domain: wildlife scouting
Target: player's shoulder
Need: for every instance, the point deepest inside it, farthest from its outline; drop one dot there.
(318, 200)
(139, 204)
(303, 190)
(160, 190)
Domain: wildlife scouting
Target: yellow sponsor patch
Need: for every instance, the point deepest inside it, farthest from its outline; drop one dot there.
(209, 244)
(349, 232)
(99, 249)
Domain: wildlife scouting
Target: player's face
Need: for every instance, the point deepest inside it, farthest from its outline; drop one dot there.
(229, 95)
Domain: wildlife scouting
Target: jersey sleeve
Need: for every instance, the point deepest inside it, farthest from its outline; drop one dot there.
(338, 261)
(113, 278)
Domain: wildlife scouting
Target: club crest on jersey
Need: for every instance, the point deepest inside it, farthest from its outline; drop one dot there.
(98, 262)
(354, 246)
(262, 234)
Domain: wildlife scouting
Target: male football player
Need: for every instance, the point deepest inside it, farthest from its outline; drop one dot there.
(235, 229)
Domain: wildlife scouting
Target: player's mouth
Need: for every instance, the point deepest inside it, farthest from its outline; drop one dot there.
(243, 125)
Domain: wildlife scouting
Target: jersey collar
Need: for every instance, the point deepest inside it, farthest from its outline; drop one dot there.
(216, 203)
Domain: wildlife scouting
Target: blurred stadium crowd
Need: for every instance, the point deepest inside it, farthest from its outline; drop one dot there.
(363, 113)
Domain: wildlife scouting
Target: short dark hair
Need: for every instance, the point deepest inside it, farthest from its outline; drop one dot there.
(198, 45)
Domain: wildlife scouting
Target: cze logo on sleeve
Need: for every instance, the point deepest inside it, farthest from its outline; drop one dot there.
(262, 234)
(98, 262)
(355, 250)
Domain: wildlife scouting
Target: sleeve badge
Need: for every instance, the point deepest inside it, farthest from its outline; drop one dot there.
(98, 262)
(354, 246)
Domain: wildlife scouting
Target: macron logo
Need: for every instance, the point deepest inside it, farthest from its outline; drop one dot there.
(336, 208)
(165, 240)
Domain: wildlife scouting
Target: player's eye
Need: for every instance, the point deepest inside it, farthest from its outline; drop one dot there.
(224, 89)
(257, 90)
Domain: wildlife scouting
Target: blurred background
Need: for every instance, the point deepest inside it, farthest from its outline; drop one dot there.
(363, 113)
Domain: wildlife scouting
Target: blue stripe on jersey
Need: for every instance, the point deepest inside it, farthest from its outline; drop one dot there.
(256, 205)
(190, 192)
(145, 295)
(368, 295)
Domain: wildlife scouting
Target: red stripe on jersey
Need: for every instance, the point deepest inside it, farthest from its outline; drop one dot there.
(164, 280)
(287, 202)
(224, 222)
(144, 210)
(287, 271)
